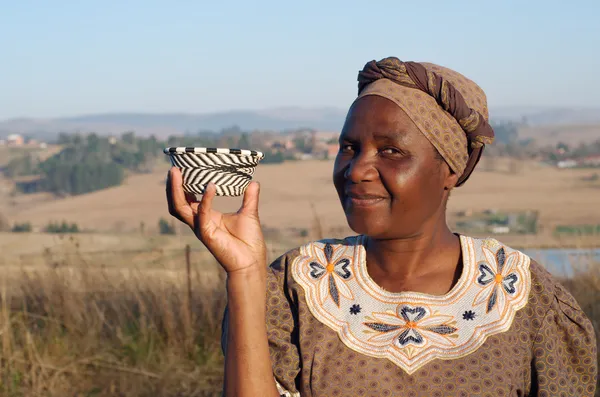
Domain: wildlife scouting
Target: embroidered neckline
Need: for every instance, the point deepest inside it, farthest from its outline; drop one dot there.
(366, 282)
(412, 328)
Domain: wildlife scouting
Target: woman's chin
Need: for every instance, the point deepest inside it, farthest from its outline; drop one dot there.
(365, 226)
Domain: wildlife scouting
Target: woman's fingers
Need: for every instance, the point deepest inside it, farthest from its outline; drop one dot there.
(250, 201)
(178, 205)
(205, 225)
(192, 202)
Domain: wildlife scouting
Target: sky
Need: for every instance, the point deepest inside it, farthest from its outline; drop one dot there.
(66, 58)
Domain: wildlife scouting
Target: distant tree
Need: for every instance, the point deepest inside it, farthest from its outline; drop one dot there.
(231, 142)
(77, 140)
(234, 130)
(93, 142)
(273, 157)
(244, 142)
(21, 227)
(128, 137)
(300, 143)
(64, 227)
(64, 138)
(164, 227)
(505, 132)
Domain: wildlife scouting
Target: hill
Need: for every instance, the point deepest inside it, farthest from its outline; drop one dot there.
(538, 116)
(163, 125)
(553, 134)
(327, 119)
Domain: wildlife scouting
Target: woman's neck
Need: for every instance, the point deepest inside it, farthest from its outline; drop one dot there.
(401, 264)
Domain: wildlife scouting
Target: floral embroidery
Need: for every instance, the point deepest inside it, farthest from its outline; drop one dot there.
(332, 272)
(469, 315)
(355, 309)
(411, 325)
(497, 280)
(410, 328)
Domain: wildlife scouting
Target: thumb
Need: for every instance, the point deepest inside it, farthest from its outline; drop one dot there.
(250, 202)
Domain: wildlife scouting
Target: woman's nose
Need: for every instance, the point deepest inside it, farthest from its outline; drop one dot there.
(361, 169)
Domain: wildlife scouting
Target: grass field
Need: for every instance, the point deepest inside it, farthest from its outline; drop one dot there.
(116, 312)
(290, 190)
(78, 328)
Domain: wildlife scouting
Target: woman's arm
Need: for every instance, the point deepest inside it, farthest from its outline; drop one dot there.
(248, 370)
(236, 241)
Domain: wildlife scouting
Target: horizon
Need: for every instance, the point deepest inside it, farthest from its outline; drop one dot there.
(73, 60)
(527, 108)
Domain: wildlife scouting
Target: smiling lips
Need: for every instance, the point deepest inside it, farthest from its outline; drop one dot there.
(363, 200)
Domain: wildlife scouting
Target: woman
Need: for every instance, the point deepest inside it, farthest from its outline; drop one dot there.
(406, 307)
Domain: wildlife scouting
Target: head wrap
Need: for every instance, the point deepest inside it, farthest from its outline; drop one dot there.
(449, 109)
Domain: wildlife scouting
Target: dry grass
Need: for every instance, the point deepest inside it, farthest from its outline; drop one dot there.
(69, 328)
(585, 287)
(105, 333)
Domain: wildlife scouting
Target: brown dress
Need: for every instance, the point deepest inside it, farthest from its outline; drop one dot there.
(507, 328)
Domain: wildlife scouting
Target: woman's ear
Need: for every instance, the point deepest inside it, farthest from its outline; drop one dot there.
(450, 177)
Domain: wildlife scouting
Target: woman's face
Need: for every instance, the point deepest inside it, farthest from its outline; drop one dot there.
(390, 182)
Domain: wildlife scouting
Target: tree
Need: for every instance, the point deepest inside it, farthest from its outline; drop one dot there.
(64, 227)
(244, 142)
(505, 132)
(300, 143)
(21, 227)
(273, 157)
(164, 227)
(93, 142)
(128, 137)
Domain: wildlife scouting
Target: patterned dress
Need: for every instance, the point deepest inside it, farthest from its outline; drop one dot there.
(507, 328)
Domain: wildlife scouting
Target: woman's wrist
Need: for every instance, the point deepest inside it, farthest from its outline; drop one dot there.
(254, 275)
(247, 288)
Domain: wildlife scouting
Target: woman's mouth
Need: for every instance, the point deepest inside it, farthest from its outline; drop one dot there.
(363, 200)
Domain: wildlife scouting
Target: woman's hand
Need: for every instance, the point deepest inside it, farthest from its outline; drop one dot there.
(234, 239)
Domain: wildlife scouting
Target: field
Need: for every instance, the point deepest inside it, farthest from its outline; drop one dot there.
(294, 193)
(553, 134)
(120, 311)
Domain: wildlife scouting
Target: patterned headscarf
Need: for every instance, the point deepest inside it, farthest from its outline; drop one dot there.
(449, 109)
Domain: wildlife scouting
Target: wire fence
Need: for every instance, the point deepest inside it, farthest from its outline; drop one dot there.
(560, 261)
(151, 258)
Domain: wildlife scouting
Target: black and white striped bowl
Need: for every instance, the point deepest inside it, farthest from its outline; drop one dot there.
(231, 170)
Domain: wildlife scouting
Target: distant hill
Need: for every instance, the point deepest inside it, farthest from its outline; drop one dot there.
(538, 116)
(162, 125)
(327, 119)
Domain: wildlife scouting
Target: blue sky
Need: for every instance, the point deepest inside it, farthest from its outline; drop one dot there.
(63, 58)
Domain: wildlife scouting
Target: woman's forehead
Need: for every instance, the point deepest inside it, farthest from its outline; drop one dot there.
(379, 118)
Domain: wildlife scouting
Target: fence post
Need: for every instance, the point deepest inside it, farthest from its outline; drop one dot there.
(188, 271)
(189, 331)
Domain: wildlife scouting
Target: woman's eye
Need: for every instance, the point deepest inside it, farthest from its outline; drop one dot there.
(390, 150)
(346, 147)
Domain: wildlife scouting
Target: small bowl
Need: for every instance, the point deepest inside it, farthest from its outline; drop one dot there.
(231, 170)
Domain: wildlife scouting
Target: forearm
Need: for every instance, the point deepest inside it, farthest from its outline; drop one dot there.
(248, 370)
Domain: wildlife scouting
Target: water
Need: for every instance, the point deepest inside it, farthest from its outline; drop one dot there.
(564, 262)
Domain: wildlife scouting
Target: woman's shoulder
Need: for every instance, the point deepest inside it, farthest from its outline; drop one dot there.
(563, 338)
(547, 293)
